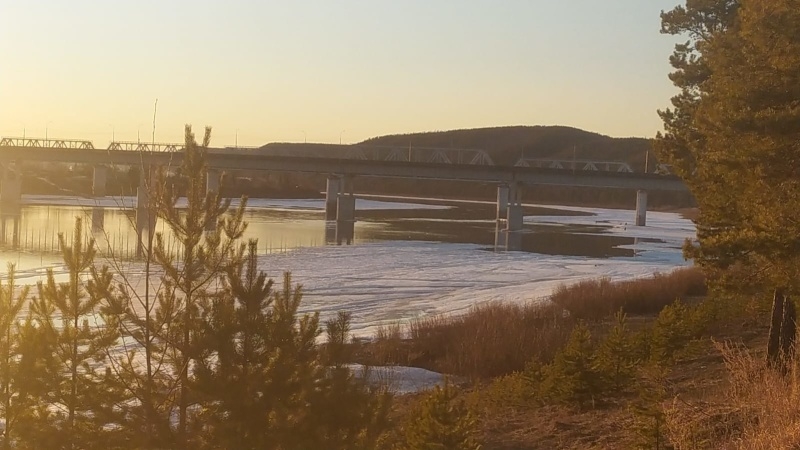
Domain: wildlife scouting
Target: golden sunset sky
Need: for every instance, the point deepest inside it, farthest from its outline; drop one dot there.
(324, 70)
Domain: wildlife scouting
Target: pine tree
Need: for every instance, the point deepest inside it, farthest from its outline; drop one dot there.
(268, 382)
(649, 422)
(442, 422)
(233, 369)
(347, 412)
(572, 376)
(752, 121)
(682, 144)
(615, 360)
(206, 233)
(37, 362)
(14, 402)
(71, 319)
(338, 332)
(736, 137)
(670, 334)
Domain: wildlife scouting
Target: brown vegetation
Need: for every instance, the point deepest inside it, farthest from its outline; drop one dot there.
(684, 390)
(596, 299)
(492, 339)
(495, 339)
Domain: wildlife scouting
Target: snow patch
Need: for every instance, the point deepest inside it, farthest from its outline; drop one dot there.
(399, 379)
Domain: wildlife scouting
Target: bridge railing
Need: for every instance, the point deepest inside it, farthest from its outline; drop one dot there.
(420, 154)
(45, 143)
(429, 155)
(588, 165)
(663, 169)
(144, 146)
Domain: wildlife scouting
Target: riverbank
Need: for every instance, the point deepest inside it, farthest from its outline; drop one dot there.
(693, 366)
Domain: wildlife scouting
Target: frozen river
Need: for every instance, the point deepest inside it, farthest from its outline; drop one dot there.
(408, 259)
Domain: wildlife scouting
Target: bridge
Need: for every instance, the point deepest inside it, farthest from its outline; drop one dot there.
(437, 164)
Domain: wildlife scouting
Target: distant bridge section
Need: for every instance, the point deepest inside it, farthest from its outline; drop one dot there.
(45, 143)
(430, 155)
(144, 147)
(224, 159)
(342, 164)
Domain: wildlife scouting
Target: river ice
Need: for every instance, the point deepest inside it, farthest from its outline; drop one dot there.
(398, 281)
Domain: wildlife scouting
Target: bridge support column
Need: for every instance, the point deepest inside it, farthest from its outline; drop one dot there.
(332, 197)
(641, 208)
(345, 213)
(98, 219)
(212, 181)
(13, 217)
(515, 218)
(212, 187)
(145, 216)
(508, 228)
(11, 186)
(502, 216)
(99, 181)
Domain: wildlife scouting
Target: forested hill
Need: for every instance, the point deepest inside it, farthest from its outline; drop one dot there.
(504, 144)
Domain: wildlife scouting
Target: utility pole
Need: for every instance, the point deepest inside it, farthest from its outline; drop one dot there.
(574, 154)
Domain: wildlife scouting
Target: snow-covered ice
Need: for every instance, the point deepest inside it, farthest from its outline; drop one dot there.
(397, 281)
(399, 379)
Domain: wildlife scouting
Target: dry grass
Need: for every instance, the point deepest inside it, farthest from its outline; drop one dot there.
(388, 345)
(760, 409)
(497, 339)
(490, 340)
(597, 299)
(493, 339)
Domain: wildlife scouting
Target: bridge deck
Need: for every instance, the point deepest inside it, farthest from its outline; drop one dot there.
(227, 160)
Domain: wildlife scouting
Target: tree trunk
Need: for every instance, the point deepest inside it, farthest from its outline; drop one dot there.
(782, 331)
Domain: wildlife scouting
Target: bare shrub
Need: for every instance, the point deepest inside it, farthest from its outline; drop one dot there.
(597, 299)
(491, 339)
(389, 344)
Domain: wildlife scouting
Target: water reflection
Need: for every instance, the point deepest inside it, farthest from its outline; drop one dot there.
(34, 230)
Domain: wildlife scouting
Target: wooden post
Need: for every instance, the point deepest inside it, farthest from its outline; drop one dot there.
(782, 331)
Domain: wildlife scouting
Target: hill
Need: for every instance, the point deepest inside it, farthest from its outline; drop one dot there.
(507, 144)
(504, 144)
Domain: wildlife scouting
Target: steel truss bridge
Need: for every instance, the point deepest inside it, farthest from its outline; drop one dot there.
(431, 155)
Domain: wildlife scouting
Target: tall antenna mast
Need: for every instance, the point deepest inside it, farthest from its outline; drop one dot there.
(155, 110)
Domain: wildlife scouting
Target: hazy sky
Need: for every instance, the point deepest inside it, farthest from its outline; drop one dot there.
(291, 70)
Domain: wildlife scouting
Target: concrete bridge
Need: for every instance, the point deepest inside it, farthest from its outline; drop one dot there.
(340, 200)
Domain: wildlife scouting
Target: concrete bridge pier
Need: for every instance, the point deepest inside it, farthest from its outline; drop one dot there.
(332, 196)
(99, 177)
(508, 228)
(514, 222)
(10, 186)
(330, 232)
(98, 219)
(14, 219)
(145, 215)
(345, 212)
(213, 178)
(212, 181)
(502, 216)
(641, 208)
